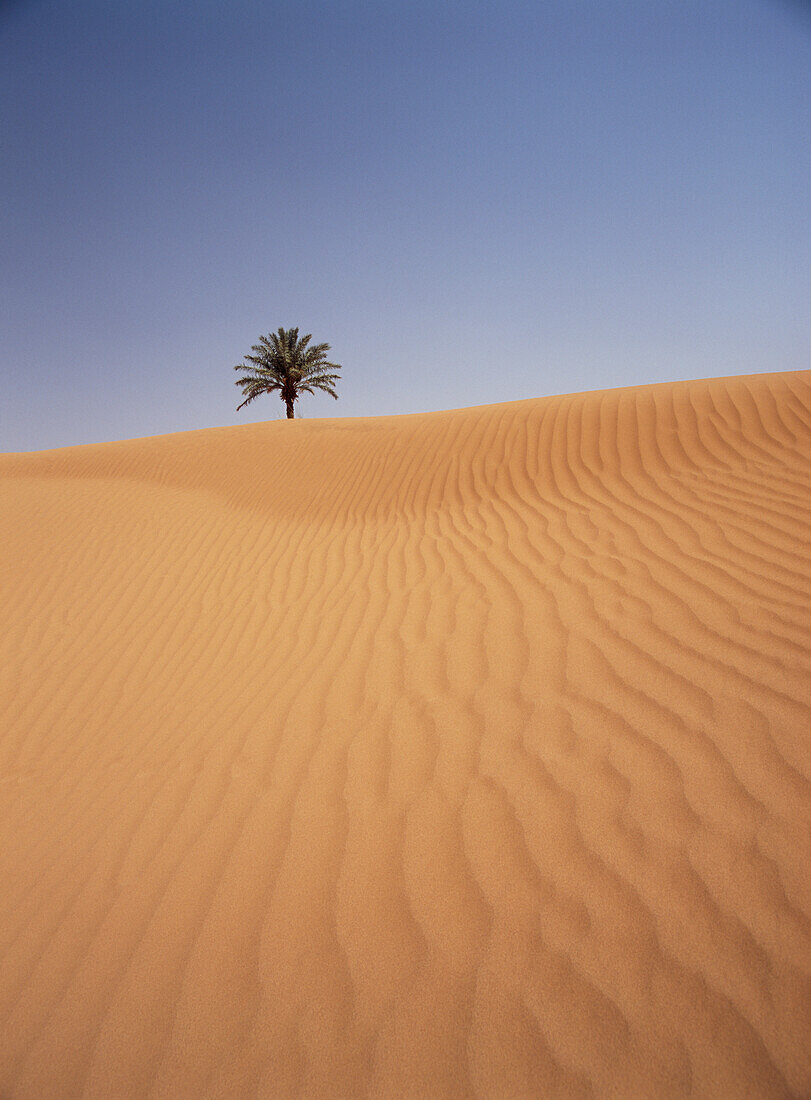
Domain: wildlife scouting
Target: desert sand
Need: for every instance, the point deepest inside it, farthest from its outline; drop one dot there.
(456, 754)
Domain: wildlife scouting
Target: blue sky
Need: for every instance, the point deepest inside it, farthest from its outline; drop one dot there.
(472, 201)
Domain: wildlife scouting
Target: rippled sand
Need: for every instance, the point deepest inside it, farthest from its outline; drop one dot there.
(456, 754)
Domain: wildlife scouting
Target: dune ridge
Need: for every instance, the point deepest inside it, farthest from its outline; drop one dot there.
(456, 754)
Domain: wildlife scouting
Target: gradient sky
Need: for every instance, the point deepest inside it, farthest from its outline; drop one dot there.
(472, 201)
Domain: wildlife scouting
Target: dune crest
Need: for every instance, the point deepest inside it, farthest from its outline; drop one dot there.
(459, 754)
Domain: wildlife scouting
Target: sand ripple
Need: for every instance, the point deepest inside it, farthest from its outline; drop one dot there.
(461, 754)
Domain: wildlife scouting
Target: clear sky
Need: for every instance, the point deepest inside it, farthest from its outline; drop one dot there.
(472, 201)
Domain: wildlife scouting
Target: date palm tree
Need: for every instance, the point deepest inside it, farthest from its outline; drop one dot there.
(281, 362)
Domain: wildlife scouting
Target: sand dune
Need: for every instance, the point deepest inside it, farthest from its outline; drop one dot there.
(456, 754)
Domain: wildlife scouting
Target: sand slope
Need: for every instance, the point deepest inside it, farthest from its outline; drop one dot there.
(455, 754)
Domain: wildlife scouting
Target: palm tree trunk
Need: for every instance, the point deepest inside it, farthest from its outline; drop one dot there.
(290, 413)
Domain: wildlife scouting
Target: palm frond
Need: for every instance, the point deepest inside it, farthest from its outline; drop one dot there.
(307, 388)
(251, 397)
(317, 377)
(315, 353)
(258, 383)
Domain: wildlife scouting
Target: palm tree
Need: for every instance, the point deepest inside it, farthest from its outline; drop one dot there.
(283, 362)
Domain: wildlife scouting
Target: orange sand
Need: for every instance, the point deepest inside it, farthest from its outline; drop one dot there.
(455, 754)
